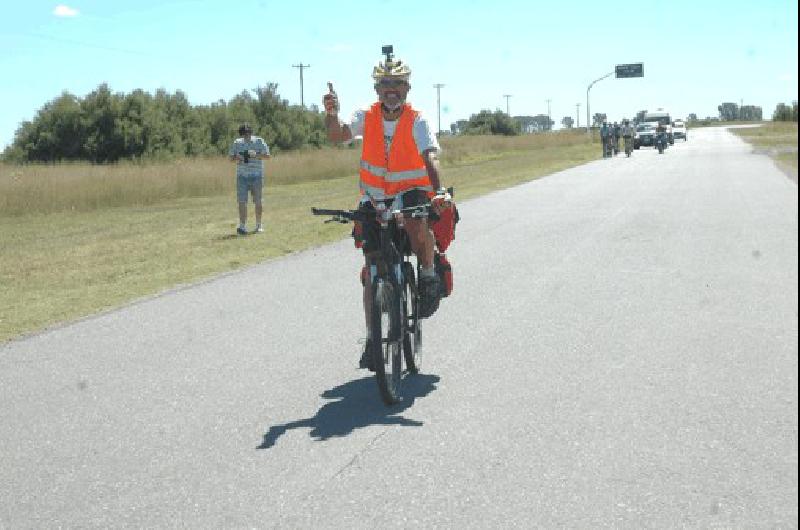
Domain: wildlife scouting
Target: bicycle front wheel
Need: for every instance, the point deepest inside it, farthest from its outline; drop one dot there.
(386, 334)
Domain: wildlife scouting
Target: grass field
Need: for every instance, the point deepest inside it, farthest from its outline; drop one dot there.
(76, 239)
(778, 139)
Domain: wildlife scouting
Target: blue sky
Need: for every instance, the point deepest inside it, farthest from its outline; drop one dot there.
(696, 54)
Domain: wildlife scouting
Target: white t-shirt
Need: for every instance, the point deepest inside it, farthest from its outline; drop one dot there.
(424, 136)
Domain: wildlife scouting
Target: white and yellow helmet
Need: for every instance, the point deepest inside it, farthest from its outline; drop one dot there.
(391, 68)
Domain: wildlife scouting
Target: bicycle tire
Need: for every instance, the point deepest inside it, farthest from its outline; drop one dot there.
(386, 334)
(412, 339)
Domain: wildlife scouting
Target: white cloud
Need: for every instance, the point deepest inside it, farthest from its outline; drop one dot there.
(787, 77)
(65, 11)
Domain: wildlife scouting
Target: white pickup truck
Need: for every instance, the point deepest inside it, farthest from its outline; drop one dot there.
(679, 130)
(662, 117)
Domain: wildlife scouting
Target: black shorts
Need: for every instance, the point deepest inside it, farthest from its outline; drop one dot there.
(369, 231)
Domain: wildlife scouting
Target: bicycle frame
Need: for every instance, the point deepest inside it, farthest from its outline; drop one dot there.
(389, 255)
(387, 262)
(390, 271)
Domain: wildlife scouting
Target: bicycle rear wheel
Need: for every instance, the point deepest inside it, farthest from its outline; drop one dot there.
(412, 339)
(386, 335)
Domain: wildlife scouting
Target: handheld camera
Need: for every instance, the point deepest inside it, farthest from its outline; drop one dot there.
(388, 51)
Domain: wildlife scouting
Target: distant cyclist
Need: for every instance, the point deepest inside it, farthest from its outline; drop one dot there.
(661, 133)
(627, 136)
(605, 138)
(399, 164)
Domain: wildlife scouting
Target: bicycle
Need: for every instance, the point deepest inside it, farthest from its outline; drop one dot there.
(395, 331)
(628, 146)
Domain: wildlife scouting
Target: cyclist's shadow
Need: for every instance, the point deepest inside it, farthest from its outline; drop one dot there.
(357, 405)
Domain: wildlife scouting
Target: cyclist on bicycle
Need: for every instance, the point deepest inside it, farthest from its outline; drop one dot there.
(399, 165)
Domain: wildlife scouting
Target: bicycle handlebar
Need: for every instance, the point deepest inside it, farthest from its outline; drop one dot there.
(414, 212)
(323, 211)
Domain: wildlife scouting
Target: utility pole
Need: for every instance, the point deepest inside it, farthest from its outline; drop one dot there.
(507, 108)
(438, 87)
(301, 66)
(578, 114)
(549, 120)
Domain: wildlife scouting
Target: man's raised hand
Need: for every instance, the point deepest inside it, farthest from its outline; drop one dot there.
(330, 101)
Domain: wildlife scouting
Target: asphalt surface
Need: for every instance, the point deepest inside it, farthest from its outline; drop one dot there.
(620, 350)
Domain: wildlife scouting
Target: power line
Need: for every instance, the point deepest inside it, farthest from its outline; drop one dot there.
(301, 66)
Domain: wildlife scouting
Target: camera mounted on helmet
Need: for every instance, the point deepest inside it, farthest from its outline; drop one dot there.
(391, 68)
(388, 51)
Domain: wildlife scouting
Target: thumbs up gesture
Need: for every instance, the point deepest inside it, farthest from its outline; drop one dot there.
(330, 101)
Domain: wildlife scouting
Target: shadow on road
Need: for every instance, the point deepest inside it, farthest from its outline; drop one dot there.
(357, 405)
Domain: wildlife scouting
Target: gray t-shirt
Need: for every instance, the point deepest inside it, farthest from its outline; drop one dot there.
(253, 168)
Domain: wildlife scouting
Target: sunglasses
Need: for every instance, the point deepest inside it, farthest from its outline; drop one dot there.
(391, 83)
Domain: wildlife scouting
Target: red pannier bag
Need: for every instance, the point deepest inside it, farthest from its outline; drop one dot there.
(444, 228)
(444, 231)
(358, 234)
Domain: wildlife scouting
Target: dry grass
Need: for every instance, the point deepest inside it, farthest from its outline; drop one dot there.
(467, 149)
(83, 187)
(771, 134)
(778, 139)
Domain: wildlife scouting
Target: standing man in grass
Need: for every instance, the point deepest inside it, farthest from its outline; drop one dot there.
(249, 152)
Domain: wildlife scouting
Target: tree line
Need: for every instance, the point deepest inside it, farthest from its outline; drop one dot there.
(729, 111)
(784, 112)
(106, 126)
(498, 122)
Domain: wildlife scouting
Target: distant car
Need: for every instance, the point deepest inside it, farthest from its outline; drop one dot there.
(645, 135)
(679, 130)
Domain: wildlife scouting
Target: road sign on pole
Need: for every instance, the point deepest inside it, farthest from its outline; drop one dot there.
(630, 70)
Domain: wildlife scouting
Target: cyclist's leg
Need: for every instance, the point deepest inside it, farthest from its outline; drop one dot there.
(422, 244)
(367, 294)
(421, 240)
(419, 233)
(370, 247)
(366, 355)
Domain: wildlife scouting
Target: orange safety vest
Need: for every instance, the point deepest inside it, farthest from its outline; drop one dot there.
(403, 169)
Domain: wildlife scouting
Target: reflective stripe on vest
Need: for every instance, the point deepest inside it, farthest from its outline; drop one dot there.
(404, 170)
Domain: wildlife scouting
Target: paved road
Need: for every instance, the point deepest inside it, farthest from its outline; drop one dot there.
(620, 351)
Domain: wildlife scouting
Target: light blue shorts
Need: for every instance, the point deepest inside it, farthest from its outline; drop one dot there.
(253, 185)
